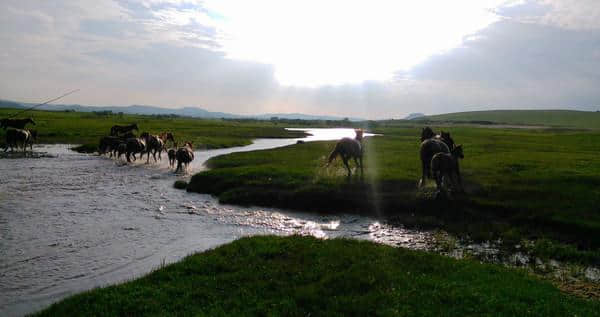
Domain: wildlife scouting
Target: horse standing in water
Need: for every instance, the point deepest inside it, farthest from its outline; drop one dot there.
(432, 144)
(117, 129)
(172, 155)
(15, 123)
(153, 144)
(16, 137)
(135, 145)
(184, 155)
(349, 148)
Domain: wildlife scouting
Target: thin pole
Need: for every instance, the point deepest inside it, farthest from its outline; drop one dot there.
(43, 103)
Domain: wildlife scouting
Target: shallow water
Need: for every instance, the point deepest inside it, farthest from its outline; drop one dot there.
(71, 222)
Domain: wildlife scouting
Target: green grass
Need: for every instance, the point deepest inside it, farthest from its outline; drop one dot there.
(520, 183)
(302, 276)
(88, 128)
(557, 118)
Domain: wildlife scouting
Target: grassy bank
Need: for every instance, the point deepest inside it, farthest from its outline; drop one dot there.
(87, 128)
(519, 183)
(555, 118)
(301, 276)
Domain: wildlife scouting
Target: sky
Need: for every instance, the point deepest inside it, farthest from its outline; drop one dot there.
(355, 58)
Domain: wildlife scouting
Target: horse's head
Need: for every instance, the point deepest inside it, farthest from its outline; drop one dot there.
(29, 120)
(458, 151)
(145, 135)
(33, 134)
(189, 144)
(448, 140)
(170, 137)
(427, 133)
(359, 134)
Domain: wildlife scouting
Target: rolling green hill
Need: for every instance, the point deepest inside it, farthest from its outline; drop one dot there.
(556, 118)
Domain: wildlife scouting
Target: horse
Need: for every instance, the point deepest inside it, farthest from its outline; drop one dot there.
(15, 123)
(171, 153)
(430, 145)
(121, 149)
(184, 155)
(428, 133)
(349, 148)
(16, 137)
(153, 144)
(116, 129)
(108, 144)
(446, 165)
(166, 136)
(135, 145)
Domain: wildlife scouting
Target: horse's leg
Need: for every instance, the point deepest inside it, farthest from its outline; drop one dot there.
(424, 174)
(345, 159)
(438, 180)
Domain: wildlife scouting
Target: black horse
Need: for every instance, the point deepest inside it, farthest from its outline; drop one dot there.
(15, 123)
(184, 156)
(118, 129)
(432, 144)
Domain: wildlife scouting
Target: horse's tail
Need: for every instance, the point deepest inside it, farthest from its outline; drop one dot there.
(333, 154)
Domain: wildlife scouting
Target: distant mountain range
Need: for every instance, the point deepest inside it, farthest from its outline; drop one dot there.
(185, 111)
(414, 116)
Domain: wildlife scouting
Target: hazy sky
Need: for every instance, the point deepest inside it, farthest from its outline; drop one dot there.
(364, 58)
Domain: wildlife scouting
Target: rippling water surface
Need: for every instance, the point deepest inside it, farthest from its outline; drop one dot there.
(74, 221)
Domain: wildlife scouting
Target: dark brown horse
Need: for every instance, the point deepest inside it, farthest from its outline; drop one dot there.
(108, 144)
(15, 123)
(349, 148)
(135, 145)
(432, 144)
(428, 133)
(154, 144)
(184, 155)
(16, 138)
(172, 155)
(119, 129)
(166, 136)
(445, 166)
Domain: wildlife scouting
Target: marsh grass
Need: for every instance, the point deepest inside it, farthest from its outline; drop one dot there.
(302, 276)
(87, 128)
(520, 184)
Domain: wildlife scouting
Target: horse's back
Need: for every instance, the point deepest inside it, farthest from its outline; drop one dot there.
(430, 147)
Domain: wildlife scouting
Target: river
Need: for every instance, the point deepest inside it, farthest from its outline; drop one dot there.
(72, 221)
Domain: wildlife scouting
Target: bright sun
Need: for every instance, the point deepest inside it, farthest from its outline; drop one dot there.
(313, 43)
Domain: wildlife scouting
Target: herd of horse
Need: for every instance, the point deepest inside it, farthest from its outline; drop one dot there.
(438, 153)
(122, 141)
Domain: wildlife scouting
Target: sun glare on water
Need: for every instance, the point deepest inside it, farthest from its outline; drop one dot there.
(313, 43)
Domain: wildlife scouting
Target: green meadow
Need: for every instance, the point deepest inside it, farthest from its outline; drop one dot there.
(87, 128)
(305, 276)
(554, 118)
(520, 183)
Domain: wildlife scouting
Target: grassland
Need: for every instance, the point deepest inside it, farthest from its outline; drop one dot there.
(520, 184)
(302, 276)
(554, 118)
(87, 128)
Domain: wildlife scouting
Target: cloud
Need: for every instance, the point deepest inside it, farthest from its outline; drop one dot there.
(539, 54)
